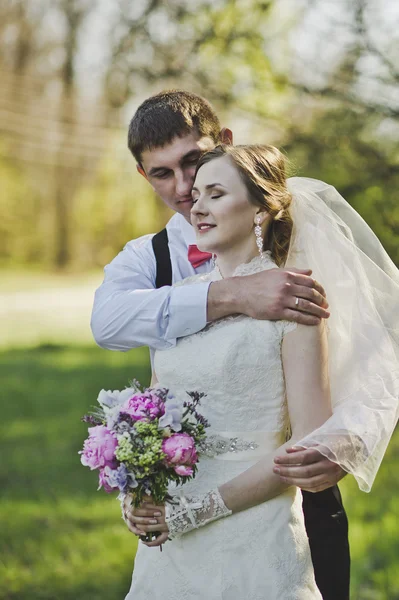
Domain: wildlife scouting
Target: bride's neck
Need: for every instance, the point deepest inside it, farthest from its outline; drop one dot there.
(228, 260)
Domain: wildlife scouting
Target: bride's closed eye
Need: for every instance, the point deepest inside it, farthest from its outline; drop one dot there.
(213, 197)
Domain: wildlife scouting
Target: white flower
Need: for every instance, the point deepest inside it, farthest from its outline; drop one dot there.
(173, 415)
(111, 402)
(110, 399)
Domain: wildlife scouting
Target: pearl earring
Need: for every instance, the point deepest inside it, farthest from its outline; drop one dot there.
(258, 235)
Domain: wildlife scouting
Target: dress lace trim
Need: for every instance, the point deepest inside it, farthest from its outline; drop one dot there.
(257, 264)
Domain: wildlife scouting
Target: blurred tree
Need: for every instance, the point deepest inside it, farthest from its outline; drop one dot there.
(350, 139)
(213, 48)
(338, 148)
(368, 72)
(265, 65)
(42, 120)
(73, 13)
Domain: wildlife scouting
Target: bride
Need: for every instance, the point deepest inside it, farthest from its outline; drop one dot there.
(236, 531)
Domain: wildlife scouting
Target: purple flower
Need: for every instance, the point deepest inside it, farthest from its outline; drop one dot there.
(91, 419)
(179, 450)
(111, 402)
(103, 481)
(143, 407)
(99, 448)
(117, 479)
(172, 417)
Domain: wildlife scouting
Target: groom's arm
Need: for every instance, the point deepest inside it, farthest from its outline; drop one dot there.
(129, 312)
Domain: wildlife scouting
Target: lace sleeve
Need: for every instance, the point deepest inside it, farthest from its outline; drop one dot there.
(187, 513)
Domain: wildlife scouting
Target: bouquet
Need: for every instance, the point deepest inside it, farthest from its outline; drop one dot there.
(140, 440)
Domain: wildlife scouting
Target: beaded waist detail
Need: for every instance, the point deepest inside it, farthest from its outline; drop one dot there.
(239, 445)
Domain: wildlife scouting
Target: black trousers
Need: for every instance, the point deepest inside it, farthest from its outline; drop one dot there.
(327, 528)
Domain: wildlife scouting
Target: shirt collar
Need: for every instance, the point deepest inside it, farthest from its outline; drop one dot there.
(187, 232)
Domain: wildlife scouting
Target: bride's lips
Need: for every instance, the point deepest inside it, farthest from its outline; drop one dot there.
(204, 227)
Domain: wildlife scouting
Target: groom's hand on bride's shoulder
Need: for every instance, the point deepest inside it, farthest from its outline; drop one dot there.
(272, 294)
(308, 469)
(290, 294)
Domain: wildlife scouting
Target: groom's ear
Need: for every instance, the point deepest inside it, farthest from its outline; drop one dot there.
(141, 171)
(226, 136)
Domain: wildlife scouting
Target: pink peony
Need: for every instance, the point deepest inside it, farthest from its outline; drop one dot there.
(184, 470)
(143, 407)
(179, 450)
(99, 448)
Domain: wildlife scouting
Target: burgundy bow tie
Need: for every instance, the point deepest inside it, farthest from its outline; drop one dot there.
(196, 257)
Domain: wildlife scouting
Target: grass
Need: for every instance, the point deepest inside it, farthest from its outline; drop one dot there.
(63, 540)
(38, 307)
(60, 538)
(16, 280)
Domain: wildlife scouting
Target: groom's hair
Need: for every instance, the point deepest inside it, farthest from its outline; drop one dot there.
(169, 114)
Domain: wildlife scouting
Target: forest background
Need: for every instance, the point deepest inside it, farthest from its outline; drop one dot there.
(317, 78)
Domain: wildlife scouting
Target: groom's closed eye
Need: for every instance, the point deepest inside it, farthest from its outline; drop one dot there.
(191, 161)
(161, 174)
(191, 158)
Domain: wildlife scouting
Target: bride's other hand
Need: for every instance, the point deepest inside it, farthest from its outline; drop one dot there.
(148, 518)
(273, 294)
(308, 469)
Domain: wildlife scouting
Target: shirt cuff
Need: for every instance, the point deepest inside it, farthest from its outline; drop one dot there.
(187, 310)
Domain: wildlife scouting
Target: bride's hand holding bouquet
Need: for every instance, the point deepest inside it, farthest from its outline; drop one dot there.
(147, 519)
(140, 441)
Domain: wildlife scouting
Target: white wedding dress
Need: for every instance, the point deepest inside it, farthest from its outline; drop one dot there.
(261, 553)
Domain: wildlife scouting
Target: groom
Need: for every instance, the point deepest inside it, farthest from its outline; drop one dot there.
(135, 305)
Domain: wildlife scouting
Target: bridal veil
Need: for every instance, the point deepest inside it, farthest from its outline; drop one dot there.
(362, 286)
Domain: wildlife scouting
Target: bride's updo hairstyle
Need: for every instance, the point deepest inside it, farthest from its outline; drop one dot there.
(263, 171)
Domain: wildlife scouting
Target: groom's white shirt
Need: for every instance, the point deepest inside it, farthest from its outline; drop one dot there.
(129, 312)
